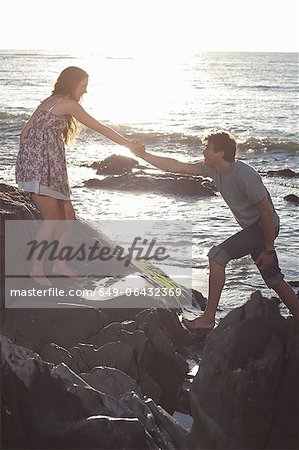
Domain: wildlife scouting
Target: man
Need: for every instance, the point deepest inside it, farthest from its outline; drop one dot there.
(250, 202)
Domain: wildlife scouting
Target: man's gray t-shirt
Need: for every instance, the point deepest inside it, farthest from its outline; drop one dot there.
(242, 188)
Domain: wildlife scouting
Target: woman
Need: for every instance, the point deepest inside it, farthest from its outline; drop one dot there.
(41, 165)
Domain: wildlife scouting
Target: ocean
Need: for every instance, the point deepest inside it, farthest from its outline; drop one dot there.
(169, 103)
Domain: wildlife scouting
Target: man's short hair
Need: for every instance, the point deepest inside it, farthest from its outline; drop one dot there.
(223, 142)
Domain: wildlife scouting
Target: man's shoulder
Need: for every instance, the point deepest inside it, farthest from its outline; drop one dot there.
(245, 170)
(206, 171)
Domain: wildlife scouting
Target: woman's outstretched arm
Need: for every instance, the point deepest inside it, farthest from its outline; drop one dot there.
(86, 119)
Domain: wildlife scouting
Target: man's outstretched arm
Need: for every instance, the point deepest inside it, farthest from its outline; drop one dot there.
(169, 164)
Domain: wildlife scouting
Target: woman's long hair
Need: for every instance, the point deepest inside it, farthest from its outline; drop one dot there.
(66, 84)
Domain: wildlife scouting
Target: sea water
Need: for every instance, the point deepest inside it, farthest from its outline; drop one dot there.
(169, 103)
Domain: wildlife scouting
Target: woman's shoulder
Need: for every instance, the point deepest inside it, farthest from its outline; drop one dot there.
(58, 104)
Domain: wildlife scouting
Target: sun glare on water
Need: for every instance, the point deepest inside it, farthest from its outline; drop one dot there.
(133, 90)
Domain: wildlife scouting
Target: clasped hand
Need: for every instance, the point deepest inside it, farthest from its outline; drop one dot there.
(137, 147)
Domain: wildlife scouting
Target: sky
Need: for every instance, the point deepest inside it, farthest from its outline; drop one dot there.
(130, 27)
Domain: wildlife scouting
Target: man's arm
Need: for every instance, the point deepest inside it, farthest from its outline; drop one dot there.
(268, 224)
(169, 164)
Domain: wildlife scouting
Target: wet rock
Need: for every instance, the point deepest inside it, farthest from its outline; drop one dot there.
(165, 184)
(115, 165)
(244, 394)
(292, 198)
(283, 173)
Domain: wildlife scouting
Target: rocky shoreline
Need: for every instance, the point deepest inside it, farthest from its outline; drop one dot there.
(80, 376)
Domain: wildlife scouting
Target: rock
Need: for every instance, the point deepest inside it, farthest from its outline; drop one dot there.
(243, 396)
(199, 299)
(160, 359)
(55, 354)
(292, 198)
(294, 283)
(165, 431)
(16, 204)
(35, 405)
(100, 432)
(110, 333)
(171, 427)
(165, 184)
(78, 337)
(65, 373)
(111, 381)
(119, 355)
(53, 408)
(115, 165)
(37, 328)
(149, 386)
(128, 325)
(283, 173)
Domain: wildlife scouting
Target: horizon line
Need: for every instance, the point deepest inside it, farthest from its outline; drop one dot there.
(88, 52)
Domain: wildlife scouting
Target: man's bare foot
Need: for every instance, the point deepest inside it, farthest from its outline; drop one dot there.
(39, 277)
(62, 270)
(200, 323)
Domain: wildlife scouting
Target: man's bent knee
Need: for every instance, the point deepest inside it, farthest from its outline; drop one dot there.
(275, 281)
(218, 255)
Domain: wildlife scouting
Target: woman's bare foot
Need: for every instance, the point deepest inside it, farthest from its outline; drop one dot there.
(39, 277)
(63, 270)
(200, 323)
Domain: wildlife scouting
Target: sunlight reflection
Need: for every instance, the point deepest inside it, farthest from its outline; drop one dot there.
(134, 90)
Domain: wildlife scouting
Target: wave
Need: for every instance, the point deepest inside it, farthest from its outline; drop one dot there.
(11, 116)
(160, 139)
(262, 87)
(256, 145)
(251, 145)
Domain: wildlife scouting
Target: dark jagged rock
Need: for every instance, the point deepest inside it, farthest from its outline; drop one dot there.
(39, 404)
(292, 198)
(101, 432)
(111, 381)
(153, 417)
(16, 204)
(245, 394)
(115, 165)
(53, 408)
(283, 173)
(166, 184)
(145, 354)
(37, 328)
(162, 359)
(198, 299)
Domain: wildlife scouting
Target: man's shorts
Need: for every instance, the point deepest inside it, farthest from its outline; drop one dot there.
(249, 241)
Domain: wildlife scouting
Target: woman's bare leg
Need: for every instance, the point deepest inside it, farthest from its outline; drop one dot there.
(62, 234)
(50, 210)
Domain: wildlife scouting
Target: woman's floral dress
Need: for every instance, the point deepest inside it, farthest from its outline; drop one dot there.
(41, 165)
